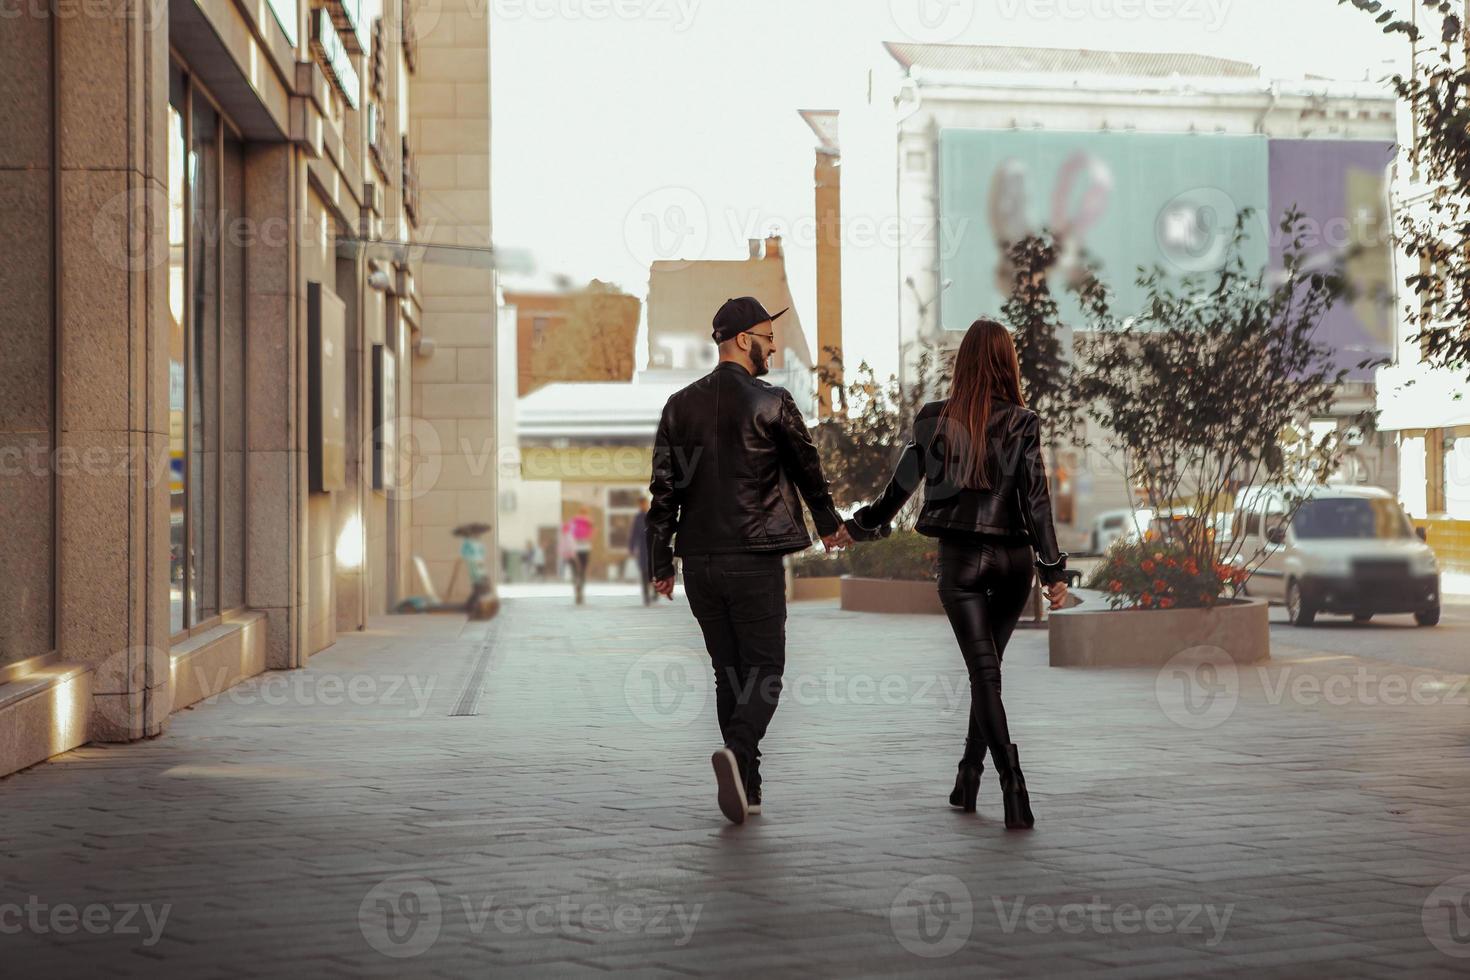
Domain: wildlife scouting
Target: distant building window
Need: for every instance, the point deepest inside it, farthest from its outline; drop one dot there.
(915, 161)
(538, 331)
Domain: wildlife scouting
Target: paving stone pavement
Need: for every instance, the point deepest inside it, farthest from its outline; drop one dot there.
(533, 797)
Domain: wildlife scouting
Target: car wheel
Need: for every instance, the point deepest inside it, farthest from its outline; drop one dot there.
(1427, 617)
(1362, 617)
(1299, 612)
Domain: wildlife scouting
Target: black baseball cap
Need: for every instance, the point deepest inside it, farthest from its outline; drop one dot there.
(739, 315)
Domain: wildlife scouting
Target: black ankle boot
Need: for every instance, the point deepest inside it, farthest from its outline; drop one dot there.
(966, 786)
(1013, 790)
(967, 780)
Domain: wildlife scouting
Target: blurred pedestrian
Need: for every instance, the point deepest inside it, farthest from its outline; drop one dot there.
(638, 550)
(581, 533)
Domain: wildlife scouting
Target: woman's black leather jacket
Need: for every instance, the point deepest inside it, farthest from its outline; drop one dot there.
(1016, 504)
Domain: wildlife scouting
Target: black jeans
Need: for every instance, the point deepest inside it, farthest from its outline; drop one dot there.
(740, 602)
(983, 584)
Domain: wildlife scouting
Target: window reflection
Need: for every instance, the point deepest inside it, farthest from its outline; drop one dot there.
(178, 105)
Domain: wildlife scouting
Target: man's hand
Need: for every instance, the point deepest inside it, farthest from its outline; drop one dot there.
(837, 540)
(664, 587)
(1056, 594)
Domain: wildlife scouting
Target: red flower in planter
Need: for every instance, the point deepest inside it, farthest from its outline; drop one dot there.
(1165, 602)
(1147, 566)
(1115, 586)
(1171, 563)
(1191, 567)
(1160, 585)
(1146, 600)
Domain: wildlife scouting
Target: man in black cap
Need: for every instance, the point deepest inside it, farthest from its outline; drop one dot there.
(732, 462)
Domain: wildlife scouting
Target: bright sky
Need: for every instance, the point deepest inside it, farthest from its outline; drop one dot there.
(607, 114)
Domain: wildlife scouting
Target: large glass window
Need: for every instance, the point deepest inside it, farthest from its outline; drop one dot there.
(206, 358)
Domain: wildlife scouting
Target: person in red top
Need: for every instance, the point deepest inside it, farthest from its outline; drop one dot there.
(579, 529)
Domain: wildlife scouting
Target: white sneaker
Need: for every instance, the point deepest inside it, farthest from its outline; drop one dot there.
(732, 788)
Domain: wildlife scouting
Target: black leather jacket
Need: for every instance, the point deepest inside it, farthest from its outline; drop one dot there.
(1018, 503)
(730, 456)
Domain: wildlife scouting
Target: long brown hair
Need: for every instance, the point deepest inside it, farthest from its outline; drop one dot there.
(985, 367)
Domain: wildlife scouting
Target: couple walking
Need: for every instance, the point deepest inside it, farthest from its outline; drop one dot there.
(732, 457)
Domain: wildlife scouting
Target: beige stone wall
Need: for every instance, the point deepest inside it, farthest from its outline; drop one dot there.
(26, 368)
(453, 391)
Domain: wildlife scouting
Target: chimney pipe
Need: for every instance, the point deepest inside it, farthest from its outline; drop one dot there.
(773, 247)
(755, 248)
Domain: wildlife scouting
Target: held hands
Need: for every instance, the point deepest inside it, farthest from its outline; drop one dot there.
(1056, 594)
(838, 539)
(664, 587)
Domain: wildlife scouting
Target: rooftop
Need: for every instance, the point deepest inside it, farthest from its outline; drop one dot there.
(1070, 61)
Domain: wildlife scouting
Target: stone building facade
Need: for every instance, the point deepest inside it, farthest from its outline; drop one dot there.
(250, 341)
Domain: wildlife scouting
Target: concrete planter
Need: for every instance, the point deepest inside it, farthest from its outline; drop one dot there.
(821, 587)
(887, 595)
(1089, 634)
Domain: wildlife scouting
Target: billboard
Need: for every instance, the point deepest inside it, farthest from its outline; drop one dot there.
(1125, 199)
(1341, 189)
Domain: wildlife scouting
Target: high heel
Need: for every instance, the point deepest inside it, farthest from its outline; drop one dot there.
(966, 786)
(967, 780)
(1013, 789)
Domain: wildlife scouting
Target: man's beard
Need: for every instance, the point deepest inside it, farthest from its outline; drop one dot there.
(759, 362)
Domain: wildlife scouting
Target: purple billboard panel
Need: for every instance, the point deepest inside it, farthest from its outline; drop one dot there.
(1341, 188)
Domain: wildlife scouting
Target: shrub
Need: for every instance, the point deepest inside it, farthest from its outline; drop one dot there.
(1159, 574)
(904, 555)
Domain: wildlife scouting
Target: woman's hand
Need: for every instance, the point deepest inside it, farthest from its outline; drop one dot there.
(838, 540)
(1056, 594)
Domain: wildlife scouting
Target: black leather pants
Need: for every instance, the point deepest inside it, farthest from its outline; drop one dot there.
(983, 584)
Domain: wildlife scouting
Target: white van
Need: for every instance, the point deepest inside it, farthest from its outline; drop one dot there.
(1111, 525)
(1348, 550)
